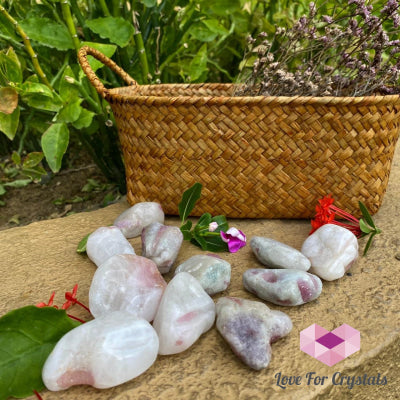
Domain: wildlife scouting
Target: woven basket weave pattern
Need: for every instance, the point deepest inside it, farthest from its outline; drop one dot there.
(257, 157)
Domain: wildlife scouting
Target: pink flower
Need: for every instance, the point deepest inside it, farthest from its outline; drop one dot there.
(236, 239)
(213, 226)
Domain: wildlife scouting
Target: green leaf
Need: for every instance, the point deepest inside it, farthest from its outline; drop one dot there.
(185, 229)
(43, 102)
(82, 244)
(8, 100)
(27, 337)
(19, 183)
(364, 227)
(54, 144)
(215, 243)
(368, 245)
(149, 3)
(204, 220)
(9, 123)
(16, 158)
(48, 32)
(215, 26)
(107, 49)
(198, 64)
(201, 32)
(210, 243)
(223, 8)
(7, 28)
(84, 120)
(189, 199)
(117, 30)
(2, 190)
(199, 241)
(35, 173)
(10, 68)
(29, 87)
(366, 214)
(32, 159)
(70, 112)
(68, 91)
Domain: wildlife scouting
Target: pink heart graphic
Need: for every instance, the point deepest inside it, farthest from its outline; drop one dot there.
(330, 347)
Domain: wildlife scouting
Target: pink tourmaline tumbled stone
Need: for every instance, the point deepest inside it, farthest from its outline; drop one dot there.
(285, 287)
(127, 283)
(250, 327)
(134, 219)
(186, 311)
(161, 244)
(103, 353)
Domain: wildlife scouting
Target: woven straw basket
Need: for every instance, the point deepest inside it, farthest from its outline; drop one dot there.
(257, 157)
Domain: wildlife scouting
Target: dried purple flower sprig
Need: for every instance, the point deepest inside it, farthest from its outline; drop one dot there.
(352, 52)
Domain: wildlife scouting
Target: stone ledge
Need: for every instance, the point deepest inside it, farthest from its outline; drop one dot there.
(39, 258)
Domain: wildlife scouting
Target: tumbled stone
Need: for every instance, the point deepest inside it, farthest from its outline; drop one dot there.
(134, 219)
(129, 283)
(275, 254)
(332, 250)
(186, 311)
(285, 287)
(250, 327)
(213, 273)
(106, 242)
(103, 353)
(161, 244)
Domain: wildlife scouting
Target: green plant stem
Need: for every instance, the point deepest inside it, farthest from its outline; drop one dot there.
(11, 40)
(95, 105)
(28, 47)
(66, 11)
(61, 70)
(77, 12)
(25, 131)
(116, 10)
(140, 48)
(104, 8)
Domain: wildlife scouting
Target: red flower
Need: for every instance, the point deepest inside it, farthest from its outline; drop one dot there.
(49, 304)
(70, 297)
(326, 213)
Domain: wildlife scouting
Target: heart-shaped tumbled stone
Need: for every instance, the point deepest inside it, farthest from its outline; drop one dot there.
(250, 327)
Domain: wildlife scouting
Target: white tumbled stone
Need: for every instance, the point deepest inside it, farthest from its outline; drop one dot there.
(213, 273)
(129, 283)
(106, 242)
(103, 353)
(134, 219)
(332, 250)
(275, 254)
(161, 244)
(186, 311)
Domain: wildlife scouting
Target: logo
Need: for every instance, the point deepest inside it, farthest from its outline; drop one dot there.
(330, 347)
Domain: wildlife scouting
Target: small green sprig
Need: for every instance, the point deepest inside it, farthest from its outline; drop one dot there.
(367, 226)
(201, 235)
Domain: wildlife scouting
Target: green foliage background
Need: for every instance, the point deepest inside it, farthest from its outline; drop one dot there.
(153, 40)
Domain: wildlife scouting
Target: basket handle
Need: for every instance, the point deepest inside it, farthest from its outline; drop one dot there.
(94, 80)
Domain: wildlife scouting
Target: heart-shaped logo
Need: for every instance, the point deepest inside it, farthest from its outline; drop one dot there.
(330, 347)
